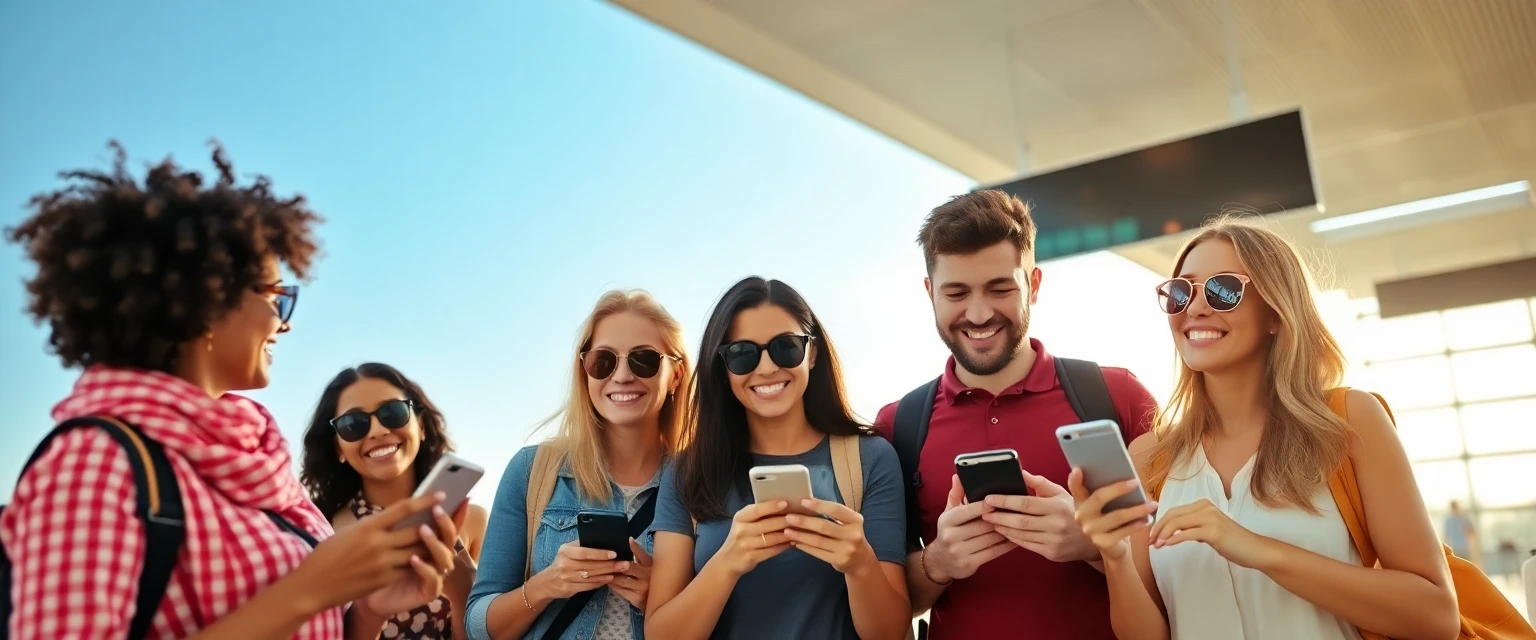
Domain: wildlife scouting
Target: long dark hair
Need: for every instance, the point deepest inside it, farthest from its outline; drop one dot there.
(333, 483)
(719, 457)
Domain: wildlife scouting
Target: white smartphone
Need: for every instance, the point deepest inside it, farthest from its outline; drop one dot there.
(1099, 450)
(788, 482)
(451, 475)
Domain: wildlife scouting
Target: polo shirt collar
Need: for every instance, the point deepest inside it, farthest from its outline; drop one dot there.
(1041, 378)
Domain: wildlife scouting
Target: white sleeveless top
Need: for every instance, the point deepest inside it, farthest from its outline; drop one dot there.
(1209, 598)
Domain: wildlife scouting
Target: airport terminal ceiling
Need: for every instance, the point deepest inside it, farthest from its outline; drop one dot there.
(1403, 100)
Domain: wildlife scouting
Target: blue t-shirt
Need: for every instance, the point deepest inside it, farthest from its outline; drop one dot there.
(793, 594)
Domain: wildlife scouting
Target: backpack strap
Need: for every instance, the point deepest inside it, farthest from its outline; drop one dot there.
(542, 476)
(911, 431)
(157, 504)
(1083, 382)
(848, 471)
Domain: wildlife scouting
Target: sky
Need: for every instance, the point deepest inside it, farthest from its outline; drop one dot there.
(486, 172)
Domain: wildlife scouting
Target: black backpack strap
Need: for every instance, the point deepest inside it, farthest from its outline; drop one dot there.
(911, 431)
(572, 607)
(285, 525)
(158, 506)
(1083, 382)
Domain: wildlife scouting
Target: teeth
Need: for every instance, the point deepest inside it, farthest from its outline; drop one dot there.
(981, 335)
(623, 397)
(1204, 334)
(384, 451)
(769, 389)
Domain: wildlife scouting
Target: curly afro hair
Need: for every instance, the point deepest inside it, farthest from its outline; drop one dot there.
(126, 274)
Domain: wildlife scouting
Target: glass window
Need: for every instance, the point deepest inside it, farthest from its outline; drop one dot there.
(1500, 427)
(1413, 384)
(1488, 325)
(1400, 337)
(1491, 374)
(1429, 435)
(1516, 526)
(1442, 482)
(1505, 481)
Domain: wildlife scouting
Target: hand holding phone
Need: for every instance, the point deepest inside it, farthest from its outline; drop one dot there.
(1110, 502)
(452, 475)
(991, 473)
(790, 483)
(606, 531)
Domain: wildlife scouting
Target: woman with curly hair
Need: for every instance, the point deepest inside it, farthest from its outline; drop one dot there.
(169, 296)
(371, 441)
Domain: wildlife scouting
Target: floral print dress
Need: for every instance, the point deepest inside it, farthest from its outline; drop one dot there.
(431, 621)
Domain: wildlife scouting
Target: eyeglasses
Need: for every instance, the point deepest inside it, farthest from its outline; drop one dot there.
(786, 351)
(353, 426)
(287, 298)
(602, 362)
(1223, 291)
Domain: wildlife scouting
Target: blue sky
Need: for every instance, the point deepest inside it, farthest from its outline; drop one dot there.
(486, 172)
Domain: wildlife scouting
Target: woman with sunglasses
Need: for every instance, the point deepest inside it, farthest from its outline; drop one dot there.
(1248, 541)
(622, 421)
(371, 441)
(769, 392)
(169, 296)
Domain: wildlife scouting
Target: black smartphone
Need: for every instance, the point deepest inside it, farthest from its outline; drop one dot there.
(989, 473)
(606, 531)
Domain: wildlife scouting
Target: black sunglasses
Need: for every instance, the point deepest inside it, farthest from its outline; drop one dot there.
(786, 351)
(644, 362)
(354, 425)
(287, 297)
(1223, 291)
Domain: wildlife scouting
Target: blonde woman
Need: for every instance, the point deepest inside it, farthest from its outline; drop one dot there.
(620, 424)
(1247, 541)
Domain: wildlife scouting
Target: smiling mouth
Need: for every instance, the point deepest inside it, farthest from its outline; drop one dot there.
(769, 390)
(1204, 335)
(625, 397)
(379, 453)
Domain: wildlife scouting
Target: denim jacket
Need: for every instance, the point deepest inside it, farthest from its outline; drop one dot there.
(504, 550)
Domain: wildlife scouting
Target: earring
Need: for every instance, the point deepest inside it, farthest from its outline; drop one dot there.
(209, 346)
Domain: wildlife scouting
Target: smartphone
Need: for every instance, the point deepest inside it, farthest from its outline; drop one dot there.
(990, 473)
(788, 482)
(606, 531)
(1099, 450)
(451, 475)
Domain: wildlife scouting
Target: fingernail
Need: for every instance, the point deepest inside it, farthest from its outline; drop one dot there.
(805, 503)
(438, 511)
(792, 519)
(992, 500)
(612, 555)
(425, 530)
(440, 496)
(783, 504)
(1131, 484)
(623, 566)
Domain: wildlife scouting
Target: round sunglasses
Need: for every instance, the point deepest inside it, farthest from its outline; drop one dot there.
(644, 362)
(786, 351)
(285, 298)
(354, 425)
(1223, 292)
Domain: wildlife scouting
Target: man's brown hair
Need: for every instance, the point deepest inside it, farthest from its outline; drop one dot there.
(974, 221)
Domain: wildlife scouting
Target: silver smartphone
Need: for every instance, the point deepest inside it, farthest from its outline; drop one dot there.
(788, 482)
(451, 475)
(1099, 450)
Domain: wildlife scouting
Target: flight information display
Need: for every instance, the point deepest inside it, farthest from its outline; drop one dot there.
(1167, 188)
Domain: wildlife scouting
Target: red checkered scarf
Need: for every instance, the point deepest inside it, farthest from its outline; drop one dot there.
(231, 442)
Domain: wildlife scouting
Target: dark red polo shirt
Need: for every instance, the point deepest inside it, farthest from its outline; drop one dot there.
(1021, 594)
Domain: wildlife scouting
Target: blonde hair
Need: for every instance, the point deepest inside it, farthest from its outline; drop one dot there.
(579, 438)
(1304, 440)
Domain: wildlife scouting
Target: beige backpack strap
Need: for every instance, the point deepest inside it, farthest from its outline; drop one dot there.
(848, 470)
(542, 476)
